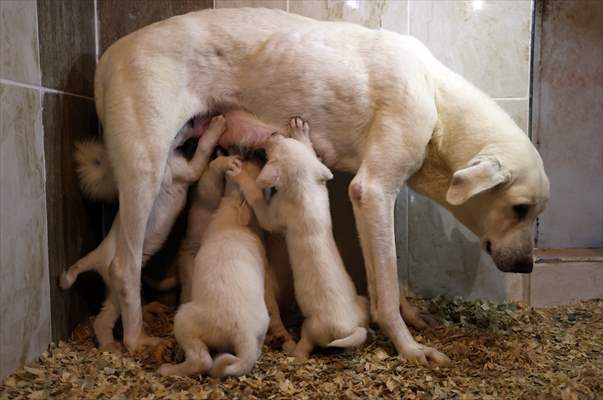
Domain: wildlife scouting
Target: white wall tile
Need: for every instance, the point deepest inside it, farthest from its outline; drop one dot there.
(19, 60)
(487, 42)
(387, 14)
(282, 4)
(24, 292)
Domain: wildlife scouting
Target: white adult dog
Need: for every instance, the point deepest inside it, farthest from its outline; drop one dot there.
(335, 316)
(380, 106)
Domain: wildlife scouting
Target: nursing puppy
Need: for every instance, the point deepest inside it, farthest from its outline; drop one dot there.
(97, 181)
(335, 316)
(227, 311)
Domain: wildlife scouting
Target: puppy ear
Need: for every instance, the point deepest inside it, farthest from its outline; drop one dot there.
(482, 173)
(324, 173)
(269, 176)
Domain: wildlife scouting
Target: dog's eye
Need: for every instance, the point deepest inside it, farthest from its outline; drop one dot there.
(521, 210)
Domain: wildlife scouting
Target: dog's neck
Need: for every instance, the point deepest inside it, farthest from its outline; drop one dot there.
(469, 123)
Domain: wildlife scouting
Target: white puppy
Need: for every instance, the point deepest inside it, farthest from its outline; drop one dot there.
(97, 181)
(335, 316)
(227, 311)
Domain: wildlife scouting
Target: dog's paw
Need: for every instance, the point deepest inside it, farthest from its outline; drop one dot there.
(234, 168)
(299, 129)
(418, 319)
(66, 280)
(425, 356)
(168, 370)
(217, 123)
(111, 347)
(221, 163)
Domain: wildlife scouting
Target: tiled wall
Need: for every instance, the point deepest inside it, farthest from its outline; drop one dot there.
(568, 105)
(24, 288)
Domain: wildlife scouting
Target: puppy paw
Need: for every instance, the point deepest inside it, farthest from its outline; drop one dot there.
(234, 169)
(66, 281)
(111, 347)
(210, 137)
(221, 163)
(168, 370)
(299, 129)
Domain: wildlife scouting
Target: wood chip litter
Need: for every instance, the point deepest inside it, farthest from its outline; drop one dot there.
(498, 351)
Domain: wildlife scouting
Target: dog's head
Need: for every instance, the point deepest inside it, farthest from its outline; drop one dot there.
(498, 195)
(291, 162)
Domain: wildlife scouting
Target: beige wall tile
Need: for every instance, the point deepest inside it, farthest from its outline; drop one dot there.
(282, 4)
(518, 109)
(568, 106)
(24, 292)
(388, 14)
(19, 59)
(487, 42)
(446, 258)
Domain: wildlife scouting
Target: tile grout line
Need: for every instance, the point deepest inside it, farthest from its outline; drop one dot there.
(408, 17)
(42, 89)
(511, 98)
(43, 129)
(96, 32)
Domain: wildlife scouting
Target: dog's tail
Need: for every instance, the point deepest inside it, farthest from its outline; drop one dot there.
(355, 339)
(229, 365)
(94, 171)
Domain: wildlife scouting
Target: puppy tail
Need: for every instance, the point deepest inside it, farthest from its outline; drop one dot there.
(94, 171)
(230, 365)
(355, 339)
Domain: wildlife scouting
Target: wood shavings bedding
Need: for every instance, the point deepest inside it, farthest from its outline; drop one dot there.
(497, 351)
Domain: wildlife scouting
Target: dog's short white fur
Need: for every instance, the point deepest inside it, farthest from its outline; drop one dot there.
(381, 106)
(227, 311)
(97, 182)
(335, 316)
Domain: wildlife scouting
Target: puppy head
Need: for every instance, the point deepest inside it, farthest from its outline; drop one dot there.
(498, 195)
(291, 163)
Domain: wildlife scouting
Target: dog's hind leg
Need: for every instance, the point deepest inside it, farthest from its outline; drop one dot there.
(140, 124)
(389, 159)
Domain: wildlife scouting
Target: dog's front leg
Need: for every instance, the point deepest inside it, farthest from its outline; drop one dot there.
(388, 161)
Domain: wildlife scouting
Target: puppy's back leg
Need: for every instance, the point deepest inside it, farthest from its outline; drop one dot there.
(98, 259)
(186, 330)
(104, 323)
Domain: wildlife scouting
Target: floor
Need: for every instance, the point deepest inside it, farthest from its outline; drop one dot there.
(497, 351)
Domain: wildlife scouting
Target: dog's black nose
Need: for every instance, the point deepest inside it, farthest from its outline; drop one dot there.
(524, 266)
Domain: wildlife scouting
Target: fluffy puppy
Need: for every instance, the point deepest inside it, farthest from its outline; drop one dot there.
(227, 310)
(335, 316)
(97, 181)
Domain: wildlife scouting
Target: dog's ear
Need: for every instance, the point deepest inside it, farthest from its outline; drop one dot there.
(269, 176)
(324, 174)
(482, 173)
